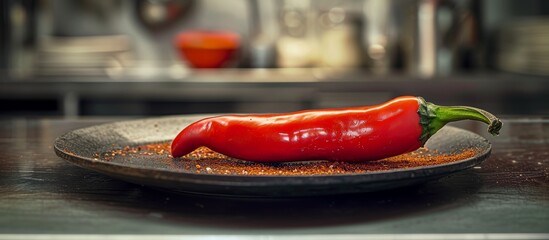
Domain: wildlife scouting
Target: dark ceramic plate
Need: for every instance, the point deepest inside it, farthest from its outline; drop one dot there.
(81, 146)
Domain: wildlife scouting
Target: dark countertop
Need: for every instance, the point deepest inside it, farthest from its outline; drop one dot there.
(507, 196)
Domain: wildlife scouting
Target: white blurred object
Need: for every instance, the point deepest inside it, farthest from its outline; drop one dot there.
(82, 55)
(339, 46)
(295, 52)
(296, 47)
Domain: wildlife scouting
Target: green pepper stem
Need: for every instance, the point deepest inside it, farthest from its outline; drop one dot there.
(434, 117)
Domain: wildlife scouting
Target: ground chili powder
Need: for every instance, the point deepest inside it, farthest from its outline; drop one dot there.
(204, 160)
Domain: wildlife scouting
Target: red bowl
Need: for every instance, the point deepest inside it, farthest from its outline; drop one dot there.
(207, 49)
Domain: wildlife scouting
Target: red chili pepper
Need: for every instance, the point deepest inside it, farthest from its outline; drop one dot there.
(347, 134)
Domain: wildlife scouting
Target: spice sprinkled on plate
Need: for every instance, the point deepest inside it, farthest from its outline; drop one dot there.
(206, 161)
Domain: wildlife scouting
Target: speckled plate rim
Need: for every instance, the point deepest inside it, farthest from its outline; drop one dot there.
(155, 176)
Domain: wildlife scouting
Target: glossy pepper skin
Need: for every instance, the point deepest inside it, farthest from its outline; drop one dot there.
(347, 134)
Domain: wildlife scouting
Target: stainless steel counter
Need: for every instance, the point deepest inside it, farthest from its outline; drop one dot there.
(506, 197)
(276, 90)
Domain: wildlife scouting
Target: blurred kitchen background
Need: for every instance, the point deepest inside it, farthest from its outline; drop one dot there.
(69, 58)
